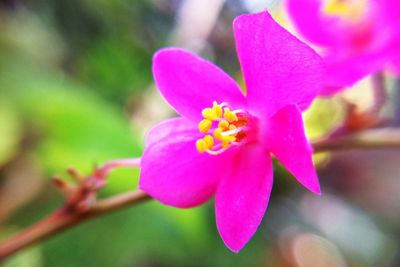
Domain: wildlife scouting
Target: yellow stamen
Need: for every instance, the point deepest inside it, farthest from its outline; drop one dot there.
(232, 127)
(201, 145)
(349, 9)
(223, 124)
(229, 115)
(209, 141)
(336, 7)
(217, 109)
(209, 114)
(205, 125)
(218, 134)
(227, 133)
(226, 140)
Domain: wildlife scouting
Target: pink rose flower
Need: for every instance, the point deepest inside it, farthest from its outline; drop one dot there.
(223, 141)
(357, 37)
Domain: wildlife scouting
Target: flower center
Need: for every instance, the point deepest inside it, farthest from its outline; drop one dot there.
(349, 9)
(222, 127)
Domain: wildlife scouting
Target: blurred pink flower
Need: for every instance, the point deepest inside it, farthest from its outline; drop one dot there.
(228, 153)
(357, 37)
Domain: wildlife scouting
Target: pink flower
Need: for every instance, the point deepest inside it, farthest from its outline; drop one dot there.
(357, 37)
(223, 142)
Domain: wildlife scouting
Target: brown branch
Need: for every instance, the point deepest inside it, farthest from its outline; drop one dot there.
(81, 204)
(64, 219)
(386, 138)
(77, 210)
(118, 202)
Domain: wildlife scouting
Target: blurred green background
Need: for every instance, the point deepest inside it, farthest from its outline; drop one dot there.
(76, 90)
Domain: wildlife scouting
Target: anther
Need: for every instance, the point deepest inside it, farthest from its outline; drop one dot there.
(201, 145)
(209, 141)
(218, 134)
(223, 124)
(217, 109)
(226, 140)
(209, 114)
(205, 125)
(230, 124)
(229, 115)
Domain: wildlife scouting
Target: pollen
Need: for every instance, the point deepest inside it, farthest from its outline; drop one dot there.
(223, 124)
(348, 9)
(217, 109)
(222, 128)
(226, 140)
(229, 115)
(205, 125)
(201, 145)
(210, 114)
(204, 144)
(218, 134)
(209, 141)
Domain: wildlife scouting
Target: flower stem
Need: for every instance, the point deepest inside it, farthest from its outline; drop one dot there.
(107, 167)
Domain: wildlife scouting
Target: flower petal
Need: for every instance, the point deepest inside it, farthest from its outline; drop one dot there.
(347, 70)
(391, 11)
(168, 128)
(313, 24)
(277, 67)
(173, 171)
(190, 83)
(286, 139)
(242, 197)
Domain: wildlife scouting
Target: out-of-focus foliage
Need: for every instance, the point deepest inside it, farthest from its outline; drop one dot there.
(322, 117)
(73, 75)
(11, 132)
